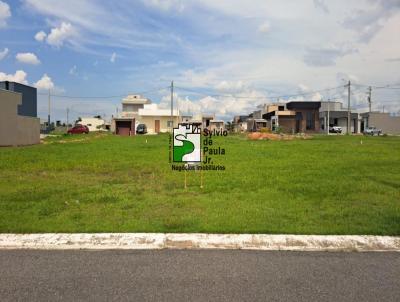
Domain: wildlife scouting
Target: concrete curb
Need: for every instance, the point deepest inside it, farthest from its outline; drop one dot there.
(106, 241)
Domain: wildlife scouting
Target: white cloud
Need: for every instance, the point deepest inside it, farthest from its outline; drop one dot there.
(321, 5)
(224, 107)
(5, 13)
(40, 36)
(27, 58)
(19, 77)
(198, 78)
(45, 83)
(59, 35)
(217, 50)
(166, 5)
(113, 57)
(343, 78)
(368, 22)
(3, 53)
(326, 56)
(264, 27)
(73, 70)
(316, 97)
(303, 88)
(230, 86)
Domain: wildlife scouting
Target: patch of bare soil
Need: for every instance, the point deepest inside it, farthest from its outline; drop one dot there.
(277, 136)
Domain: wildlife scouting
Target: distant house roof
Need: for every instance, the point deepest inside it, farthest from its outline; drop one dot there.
(91, 119)
(303, 105)
(284, 113)
(243, 118)
(135, 99)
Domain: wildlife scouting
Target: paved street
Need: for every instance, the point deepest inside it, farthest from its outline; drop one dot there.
(178, 275)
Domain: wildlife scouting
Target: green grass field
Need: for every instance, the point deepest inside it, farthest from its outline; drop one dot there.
(327, 185)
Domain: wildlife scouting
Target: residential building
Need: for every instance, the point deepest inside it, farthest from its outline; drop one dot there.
(158, 120)
(384, 121)
(126, 123)
(93, 123)
(256, 124)
(206, 119)
(28, 106)
(257, 114)
(279, 117)
(293, 117)
(307, 116)
(138, 110)
(132, 103)
(216, 125)
(186, 118)
(337, 117)
(15, 129)
(240, 123)
(203, 120)
(255, 121)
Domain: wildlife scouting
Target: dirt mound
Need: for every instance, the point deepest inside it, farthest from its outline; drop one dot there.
(276, 137)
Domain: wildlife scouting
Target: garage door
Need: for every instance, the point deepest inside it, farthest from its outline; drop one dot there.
(123, 128)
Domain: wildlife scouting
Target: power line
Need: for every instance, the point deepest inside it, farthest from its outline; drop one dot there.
(102, 97)
(387, 86)
(257, 97)
(226, 95)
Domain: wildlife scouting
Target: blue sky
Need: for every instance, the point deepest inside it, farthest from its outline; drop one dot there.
(225, 57)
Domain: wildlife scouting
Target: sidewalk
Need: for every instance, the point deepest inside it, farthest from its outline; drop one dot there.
(105, 241)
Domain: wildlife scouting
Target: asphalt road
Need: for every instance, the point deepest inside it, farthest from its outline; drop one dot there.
(178, 275)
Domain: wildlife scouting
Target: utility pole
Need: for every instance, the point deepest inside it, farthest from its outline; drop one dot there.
(348, 109)
(369, 98)
(48, 117)
(67, 118)
(329, 109)
(172, 106)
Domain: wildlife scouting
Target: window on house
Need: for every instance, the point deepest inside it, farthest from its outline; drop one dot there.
(310, 123)
(335, 121)
(128, 108)
(169, 123)
(281, 108)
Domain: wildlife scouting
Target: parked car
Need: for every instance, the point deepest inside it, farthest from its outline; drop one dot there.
(141, 129)
(372, 131)
(79, 129)
(335, 129)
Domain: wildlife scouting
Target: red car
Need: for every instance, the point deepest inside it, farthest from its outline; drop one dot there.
(79, 129)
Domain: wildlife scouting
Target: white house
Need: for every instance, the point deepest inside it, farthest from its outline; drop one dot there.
(93, 123)
(132, 103)
(139, 110)
(217, 125)
(158, 120)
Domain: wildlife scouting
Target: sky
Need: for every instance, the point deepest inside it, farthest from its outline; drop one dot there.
(225, 57)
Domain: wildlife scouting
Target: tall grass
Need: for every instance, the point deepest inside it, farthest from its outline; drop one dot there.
(105, 183)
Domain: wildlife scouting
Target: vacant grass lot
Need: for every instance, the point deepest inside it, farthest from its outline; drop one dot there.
(327, 185)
